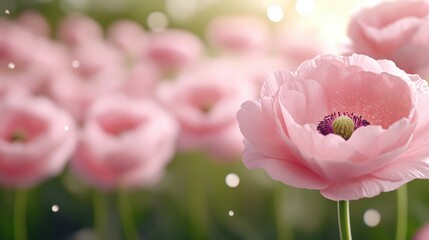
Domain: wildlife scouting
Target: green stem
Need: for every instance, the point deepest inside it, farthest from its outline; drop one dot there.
(100, 214)
(127, 220)
(402, 213)
(283, 226)
(20, 219)
(344, 220)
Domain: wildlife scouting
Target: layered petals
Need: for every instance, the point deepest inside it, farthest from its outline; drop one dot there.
(280, 129)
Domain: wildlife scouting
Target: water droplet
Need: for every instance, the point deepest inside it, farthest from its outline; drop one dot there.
(231, 213)
(75, 64)
(232, 180)
(371, 217)
(66, 128)
(7, 11)
(11, 65)
(55, 208)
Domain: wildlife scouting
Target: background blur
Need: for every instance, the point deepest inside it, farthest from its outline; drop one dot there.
(199, 197)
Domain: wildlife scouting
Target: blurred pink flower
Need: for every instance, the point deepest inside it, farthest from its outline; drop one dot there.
(243, 34)
(129, 37)
(298, 43)
(77, 29)
(205, 100)
(23, 66)
(37, 139)
(35, 22)
(125, 143)
(174, 49)
(287, 131)
(422, 233)
(396, 30)
(95, 70)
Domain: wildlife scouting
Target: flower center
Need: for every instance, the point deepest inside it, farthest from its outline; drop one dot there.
(342, 124)
(18, 136)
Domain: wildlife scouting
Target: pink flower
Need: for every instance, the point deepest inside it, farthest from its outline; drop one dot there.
(35, 22)
(24, 67)
(378, 114)
(204, 100)
(95, 71)
(422, 233)
(129, 37)
(395, 30)
(297, 44)
(37, 139)
(77, 29)
(174, 49)
(125, 143)
(238, 33)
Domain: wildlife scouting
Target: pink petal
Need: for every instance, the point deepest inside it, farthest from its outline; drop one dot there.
(364, 187)
(260, 131)
(305, 100)
(288, 172)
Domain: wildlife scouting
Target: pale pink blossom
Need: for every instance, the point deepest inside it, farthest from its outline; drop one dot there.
(422, 233)
(242, 34)
(95, 70)
(298, 43)
(124, 143)
(35, 22)
(396, 30)
(288, 131)
(204, 100)
(23, 66)
(37, 139)
(77, 29)
(174, 49)
(129, 37)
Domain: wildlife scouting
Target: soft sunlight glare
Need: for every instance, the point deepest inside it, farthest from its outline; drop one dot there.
(275, 13)
(232, 180)
(181, 10)
(55, 208)
(304, 7)
(231, 213)
(66, 128)
(157, 21)
(371, 217)
(75, 64)
(11, 65)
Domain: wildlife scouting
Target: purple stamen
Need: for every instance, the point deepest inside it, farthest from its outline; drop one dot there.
(325, 126)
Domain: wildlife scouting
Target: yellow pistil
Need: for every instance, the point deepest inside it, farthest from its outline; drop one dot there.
(343, 126)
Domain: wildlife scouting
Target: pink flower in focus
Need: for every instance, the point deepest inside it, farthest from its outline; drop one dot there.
(395, 30)
(238, 33)
(125, 143)
(37, 139)
(288, 131)
(174, 49)
(204, 101)
(422, 233)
